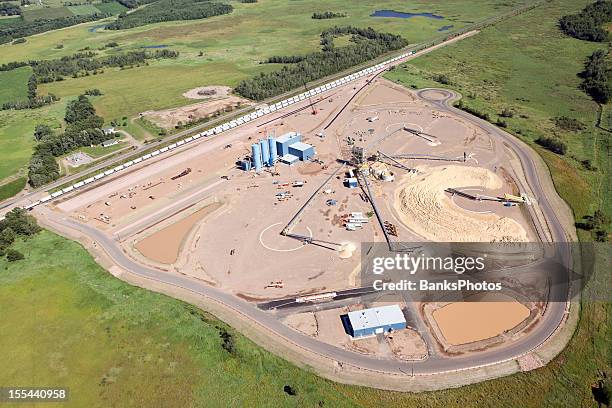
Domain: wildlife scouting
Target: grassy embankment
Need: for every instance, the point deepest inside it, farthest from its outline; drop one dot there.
(233, 45)
(70, 323)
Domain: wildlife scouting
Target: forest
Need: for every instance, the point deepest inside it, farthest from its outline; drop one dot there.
(587, 25)
(596, 76)
(170, 10)
(82, 129)
(366, 44)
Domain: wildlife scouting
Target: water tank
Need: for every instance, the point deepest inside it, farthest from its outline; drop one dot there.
(273, 154)
(256, 155)
(265, 152)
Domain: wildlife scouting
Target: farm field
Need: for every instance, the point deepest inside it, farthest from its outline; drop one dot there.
(534, 73)
(16, 134)
(83, 9)
(111, 7)
(113, 335)
(46, 13)
(14, 84)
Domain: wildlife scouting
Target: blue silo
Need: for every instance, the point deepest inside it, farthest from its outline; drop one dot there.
(256, 154)
(265, 152)
(273, 154)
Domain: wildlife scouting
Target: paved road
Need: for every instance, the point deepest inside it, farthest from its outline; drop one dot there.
(548, 323)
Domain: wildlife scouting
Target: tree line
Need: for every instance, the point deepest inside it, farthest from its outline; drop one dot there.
(595, 77)
(327, 15)
(366, 44)
(82, 129)
(587, 25)
(56, 69)
(17, 223)
(26, 28)
(33, 100)
(170, 10)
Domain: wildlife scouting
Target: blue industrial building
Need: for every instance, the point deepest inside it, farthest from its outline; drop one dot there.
(302, 150)
(287, 149)
(283, 142)
(377, 320)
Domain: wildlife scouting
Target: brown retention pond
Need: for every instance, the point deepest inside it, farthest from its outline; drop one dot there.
(467, 322)
(165, 245)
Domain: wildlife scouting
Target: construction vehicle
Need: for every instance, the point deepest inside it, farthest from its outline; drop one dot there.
(181, 174)
(277, 284)
(513, 198)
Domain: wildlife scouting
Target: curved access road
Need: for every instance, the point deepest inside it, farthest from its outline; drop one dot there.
(435, 364)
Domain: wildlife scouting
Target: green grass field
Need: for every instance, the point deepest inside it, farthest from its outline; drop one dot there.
(32, 14)
(83, 9)
(16, 134)
(14, 84)
(9, 20)
(67, 322)
(532, 71)
(111, 8)
(11, 188)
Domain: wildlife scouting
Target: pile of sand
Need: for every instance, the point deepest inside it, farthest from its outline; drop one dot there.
(347, 249)
(207, 92)
(428, 211)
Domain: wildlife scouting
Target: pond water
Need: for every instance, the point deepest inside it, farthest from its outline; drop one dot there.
(399, 14)
(445, 28)
(96, 28)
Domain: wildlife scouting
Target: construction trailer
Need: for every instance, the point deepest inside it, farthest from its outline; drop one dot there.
(351, 182)
(377, 320)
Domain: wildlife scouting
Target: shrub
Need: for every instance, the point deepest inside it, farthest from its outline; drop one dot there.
(13, 255)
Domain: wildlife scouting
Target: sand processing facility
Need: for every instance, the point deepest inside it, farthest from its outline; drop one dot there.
(287, 149)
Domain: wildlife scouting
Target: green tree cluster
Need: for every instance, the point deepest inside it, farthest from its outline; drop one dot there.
(16, 223)
(596, 76)
(366, 44)
(170, 10)
(587, 25)
(82, 129)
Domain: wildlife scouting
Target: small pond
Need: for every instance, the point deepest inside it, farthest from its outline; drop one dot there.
(399, 14)
(445, 28)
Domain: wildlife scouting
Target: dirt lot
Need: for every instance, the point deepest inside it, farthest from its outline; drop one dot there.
(215, 99)
(240, 248)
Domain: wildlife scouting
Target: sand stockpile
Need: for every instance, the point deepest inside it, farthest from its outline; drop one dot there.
(427, 210)
(206, 92)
